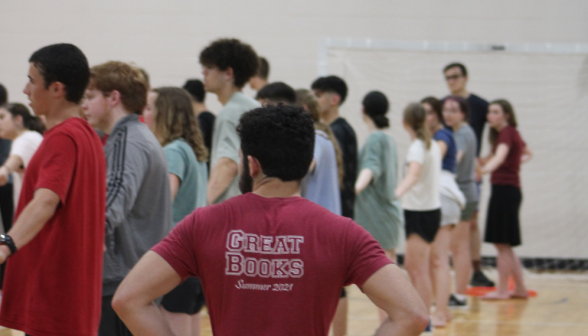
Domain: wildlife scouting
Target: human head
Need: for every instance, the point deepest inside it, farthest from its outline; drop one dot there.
(195, 88)
(58, 74)
(375, 106)
(117, 84)
(15, 118)
(308, 101)
(456, 76)
(500, 114)
(330, 91)
(276, 93)
(3, 95)
(455, 111)
(414, 121)
(280, 139)
(432, 107)
(174, 119)
(227, 62)
(260, 79)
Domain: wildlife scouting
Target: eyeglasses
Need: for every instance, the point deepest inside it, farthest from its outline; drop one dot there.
(454, 77)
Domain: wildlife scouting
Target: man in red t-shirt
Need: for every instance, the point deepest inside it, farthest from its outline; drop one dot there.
(53, 277)
(271, 262)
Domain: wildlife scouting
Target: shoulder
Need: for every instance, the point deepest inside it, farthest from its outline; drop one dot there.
(240, 103)
(477, 100)
(342, 126)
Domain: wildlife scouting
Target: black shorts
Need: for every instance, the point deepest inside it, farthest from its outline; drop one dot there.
(187, 298)
(502, 221)
(423, 223)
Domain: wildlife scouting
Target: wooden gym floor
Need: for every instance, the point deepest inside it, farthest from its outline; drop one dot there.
(561, 308)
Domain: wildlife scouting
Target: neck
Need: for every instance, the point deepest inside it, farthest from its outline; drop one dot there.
(501, 126)
(458, 125)
(226, 93)
(370, 124)
(274, 187)
(435, 128)
(117, 114)
(330, 115)
(198, 107)
(61, 113)
(463, 93)
(412, 134)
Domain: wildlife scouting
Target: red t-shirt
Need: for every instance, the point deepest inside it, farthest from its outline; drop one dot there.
(508, 172)
(271, 266)
(53, 285)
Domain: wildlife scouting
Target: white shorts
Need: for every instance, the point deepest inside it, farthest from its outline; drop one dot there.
(450, 211)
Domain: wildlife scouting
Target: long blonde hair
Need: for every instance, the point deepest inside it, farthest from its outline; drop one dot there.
(414, 116)
(509, 112)
(305, 98)
(175, 119)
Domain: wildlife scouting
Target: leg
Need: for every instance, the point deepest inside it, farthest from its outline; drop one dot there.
(180, 323)
(417, 265)
(504, 266)
(340, 319)
(520, 290)
(441, 278)
(196, 324)
(460, 250)
(475, 243)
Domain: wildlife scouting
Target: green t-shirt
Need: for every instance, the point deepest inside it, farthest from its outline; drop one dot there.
(193, 175)
(376, 208)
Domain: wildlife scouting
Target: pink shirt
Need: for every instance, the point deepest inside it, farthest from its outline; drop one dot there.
(271, 266)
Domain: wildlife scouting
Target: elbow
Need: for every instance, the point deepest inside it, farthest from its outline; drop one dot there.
(122, 302)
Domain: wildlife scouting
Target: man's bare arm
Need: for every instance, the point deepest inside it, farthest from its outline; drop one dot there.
(32, 219)
(151, 278)
(221, 176)
(390, 290)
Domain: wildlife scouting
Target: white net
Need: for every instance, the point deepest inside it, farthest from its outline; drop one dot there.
(550, 95)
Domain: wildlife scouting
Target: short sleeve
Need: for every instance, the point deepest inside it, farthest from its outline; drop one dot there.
(228, 141)
(25, 147)
(177, 249)
(364, 254)
(175, 161)
(443, 135)
(416, 152)
(58, 165)
(460, 141)
(371, 158)
(506, 137)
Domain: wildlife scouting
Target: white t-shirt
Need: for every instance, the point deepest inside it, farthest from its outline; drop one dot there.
(424, 195)
(25, 147)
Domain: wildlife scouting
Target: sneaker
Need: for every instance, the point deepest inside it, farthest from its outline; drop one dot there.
(454, 302)
(480, 280)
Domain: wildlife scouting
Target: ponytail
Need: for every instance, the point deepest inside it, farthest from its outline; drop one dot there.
(414, 116)
(29, 121)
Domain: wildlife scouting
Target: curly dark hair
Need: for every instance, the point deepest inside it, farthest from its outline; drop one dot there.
(64, 63)
(234, 54)
(281, 137)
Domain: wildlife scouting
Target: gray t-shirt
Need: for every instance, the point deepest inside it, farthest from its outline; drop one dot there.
(225, 141)
(321, 186)
(466, 168)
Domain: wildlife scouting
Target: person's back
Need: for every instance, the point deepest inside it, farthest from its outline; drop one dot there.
(424, 195)
(138, 223)
(348, 142)
(321, 184)
(262, 247)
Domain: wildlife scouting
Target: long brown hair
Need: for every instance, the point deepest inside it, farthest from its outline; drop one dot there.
(510, 115)
(29, 120)
(414, 116)
(175, 119)
(305, 98)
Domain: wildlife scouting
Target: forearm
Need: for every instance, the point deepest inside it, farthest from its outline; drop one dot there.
(221, 177)
(408, 182)
(491, 165)
(144, 320)
(363, 180)
(31, 220)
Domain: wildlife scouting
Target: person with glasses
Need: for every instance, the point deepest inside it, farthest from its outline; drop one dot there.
(456, 76)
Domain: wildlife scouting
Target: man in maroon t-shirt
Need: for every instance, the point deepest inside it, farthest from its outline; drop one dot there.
(271, 262)
(53, 277)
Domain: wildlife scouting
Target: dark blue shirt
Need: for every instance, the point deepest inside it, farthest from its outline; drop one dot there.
(450, 159)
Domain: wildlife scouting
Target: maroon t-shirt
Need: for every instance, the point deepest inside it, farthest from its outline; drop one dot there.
(53, 285)
(508, 172)
(271, 266)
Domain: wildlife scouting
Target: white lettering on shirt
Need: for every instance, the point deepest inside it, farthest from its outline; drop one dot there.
(239, 242)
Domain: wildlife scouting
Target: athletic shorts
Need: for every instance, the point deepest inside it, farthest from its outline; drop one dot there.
(187, 298)
(450, 211)
(423, 223)
(468, 212)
